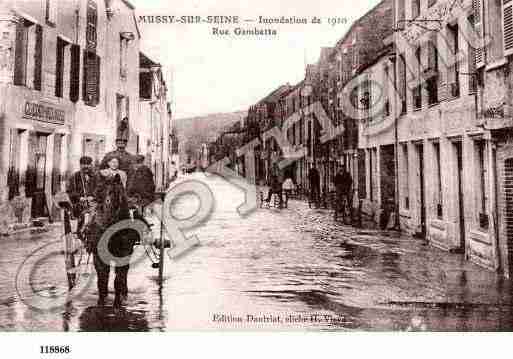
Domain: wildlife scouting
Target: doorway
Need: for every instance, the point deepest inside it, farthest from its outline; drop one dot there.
(387, 177)
(507, 217)
(459, 182)
(37, 174)
(422, 189)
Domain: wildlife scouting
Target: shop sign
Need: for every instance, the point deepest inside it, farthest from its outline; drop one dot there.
(44, 113)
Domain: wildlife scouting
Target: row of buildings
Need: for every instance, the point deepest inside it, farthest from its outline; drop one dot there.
(419, 97)
(73, 79)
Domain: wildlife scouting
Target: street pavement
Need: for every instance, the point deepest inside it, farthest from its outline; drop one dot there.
(290, 269)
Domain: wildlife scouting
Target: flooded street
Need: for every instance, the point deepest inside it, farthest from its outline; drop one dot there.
(293, 269)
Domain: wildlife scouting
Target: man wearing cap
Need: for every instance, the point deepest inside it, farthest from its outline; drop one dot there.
(126, 159)
(81, 188)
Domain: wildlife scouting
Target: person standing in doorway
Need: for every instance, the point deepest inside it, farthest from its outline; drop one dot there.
(314, 180)
(343, 185)
(288, 188)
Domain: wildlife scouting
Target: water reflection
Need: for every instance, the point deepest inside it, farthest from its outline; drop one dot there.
(107, 319)
(291, 262)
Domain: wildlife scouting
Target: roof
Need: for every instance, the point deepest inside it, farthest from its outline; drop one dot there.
(326, 52)
(356, 24)
(275, 95)
(127, 3)
(294, 88)
(384, 52)
(145, 61)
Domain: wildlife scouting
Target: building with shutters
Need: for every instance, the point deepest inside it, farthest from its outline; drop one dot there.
(360, 60)
(454, 125)
(153, 127)
(69, 85)
(440, 145)
(373, 162)
(108, 77)
(37, 110)
(492, 215)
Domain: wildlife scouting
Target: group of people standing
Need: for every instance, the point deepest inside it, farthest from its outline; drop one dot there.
(342, 181)
(86, 188)
(278, 187)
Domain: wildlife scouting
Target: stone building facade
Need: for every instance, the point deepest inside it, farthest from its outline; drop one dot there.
(493, 68)
(373, 163)
(153, 127)
(424, 97)
(448, 135)
(69, 84)
(361, 55)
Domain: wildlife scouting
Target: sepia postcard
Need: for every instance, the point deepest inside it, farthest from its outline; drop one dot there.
(270, 166)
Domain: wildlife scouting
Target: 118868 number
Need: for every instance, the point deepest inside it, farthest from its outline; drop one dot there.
(55, 349)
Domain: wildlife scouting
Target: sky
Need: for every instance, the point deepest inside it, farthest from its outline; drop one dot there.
(209, 73)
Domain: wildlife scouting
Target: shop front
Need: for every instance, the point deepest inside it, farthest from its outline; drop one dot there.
(36, 140)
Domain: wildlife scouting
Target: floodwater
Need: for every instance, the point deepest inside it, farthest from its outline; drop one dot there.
(293, 269)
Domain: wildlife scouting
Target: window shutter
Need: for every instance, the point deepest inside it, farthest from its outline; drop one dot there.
(443, 78)
(369, 90)
(507, 11)
(91, 24)
(477, 8)
(85, 96)
(59, 68)
(96, 95)
(20, 54)
(432, 54)
(38, 58)
(74, 91)
(91, 83)
(402, 78)
(472, 79)
(452, 70)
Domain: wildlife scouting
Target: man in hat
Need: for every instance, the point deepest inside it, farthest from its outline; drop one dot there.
(343, 185)
(81, 187)
(126, 159)
(315, 184)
